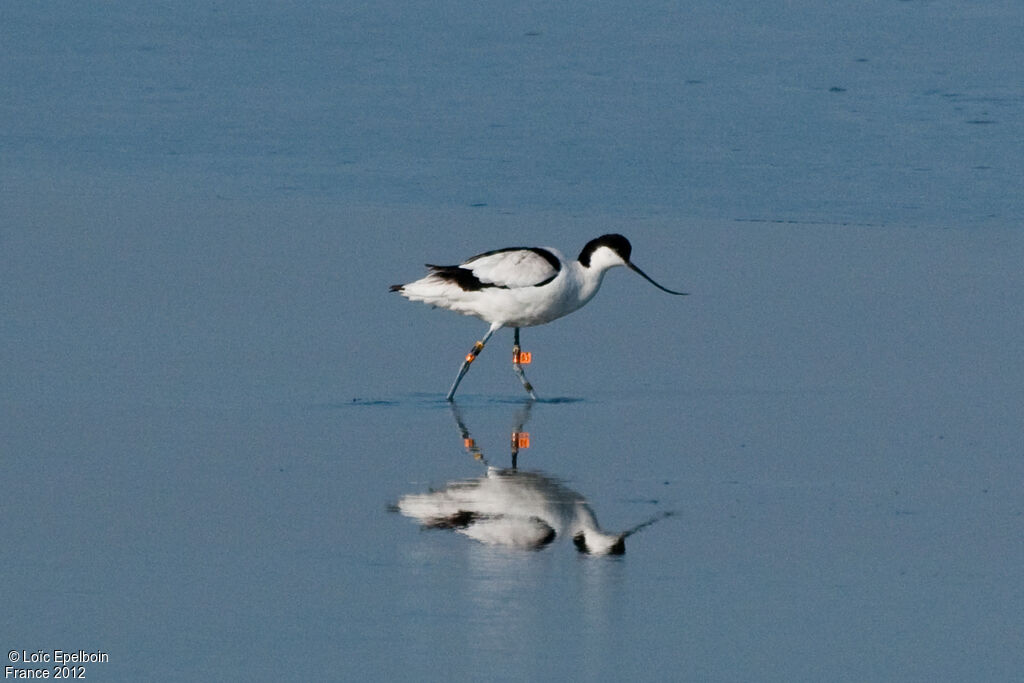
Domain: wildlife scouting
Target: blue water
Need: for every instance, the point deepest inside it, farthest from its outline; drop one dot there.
(212, 407)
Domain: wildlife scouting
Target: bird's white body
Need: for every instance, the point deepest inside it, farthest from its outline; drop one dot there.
(520, 287)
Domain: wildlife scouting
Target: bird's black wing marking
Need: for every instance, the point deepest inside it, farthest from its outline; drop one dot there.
(462, 277)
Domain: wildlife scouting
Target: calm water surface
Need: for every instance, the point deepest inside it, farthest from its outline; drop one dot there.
(225, 449)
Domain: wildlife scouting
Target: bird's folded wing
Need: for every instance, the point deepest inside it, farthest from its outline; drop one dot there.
(520, 267)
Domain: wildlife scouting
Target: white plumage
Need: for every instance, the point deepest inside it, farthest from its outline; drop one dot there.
(520, 287)
(509, 507)
(515, 267)
(511, 288)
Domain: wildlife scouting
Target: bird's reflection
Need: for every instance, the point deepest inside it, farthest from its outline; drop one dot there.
(512, 507)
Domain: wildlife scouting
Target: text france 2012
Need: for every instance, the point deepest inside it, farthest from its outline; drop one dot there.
(62, 664)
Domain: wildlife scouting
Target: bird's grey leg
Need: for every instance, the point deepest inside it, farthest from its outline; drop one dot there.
(519, 368)
(470, 357)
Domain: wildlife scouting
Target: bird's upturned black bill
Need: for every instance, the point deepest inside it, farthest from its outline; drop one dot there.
(648, 278)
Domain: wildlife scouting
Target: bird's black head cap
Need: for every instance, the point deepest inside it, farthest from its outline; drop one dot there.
(613, 241)
(617, 548)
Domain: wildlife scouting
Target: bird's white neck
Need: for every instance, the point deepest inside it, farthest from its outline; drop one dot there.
(589, 281)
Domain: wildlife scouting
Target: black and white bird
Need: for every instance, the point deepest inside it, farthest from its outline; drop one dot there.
(520, 287)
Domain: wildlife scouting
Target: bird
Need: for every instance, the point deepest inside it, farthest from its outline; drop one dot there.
(520, 287)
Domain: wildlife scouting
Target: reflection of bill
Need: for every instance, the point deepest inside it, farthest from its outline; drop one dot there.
(512, 507)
